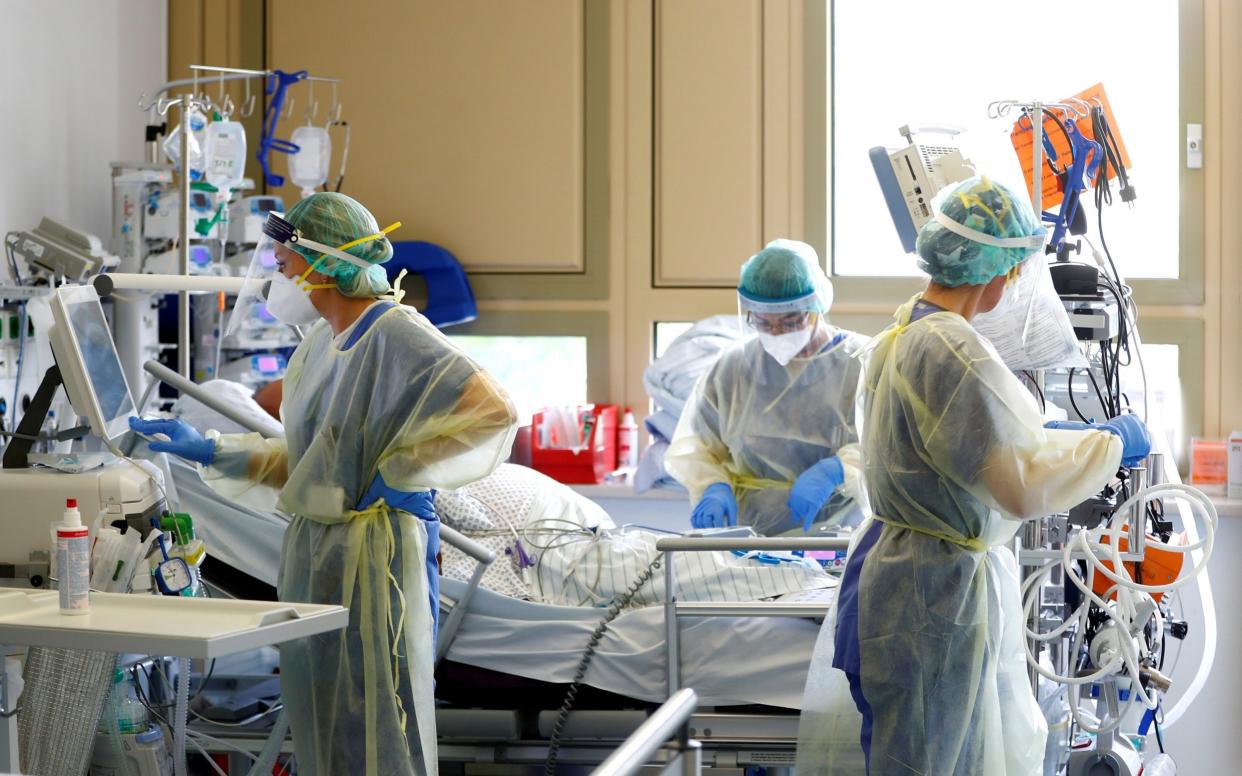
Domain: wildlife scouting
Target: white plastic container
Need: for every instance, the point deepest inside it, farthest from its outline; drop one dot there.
(73, 561)
(627, 442)
(1235, 465)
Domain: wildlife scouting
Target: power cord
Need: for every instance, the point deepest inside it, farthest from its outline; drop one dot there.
(562, 717)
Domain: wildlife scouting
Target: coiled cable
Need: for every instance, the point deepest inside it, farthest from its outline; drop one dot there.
(614, 611)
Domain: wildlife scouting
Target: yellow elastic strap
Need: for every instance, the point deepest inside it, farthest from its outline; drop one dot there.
(305, 286)
(312, 267)
(381, 233)
(968, 200)
(1013, 273)
(973, 545)
(352, 243)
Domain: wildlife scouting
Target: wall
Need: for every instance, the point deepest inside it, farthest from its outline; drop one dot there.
(1223, 159)
(71, 81)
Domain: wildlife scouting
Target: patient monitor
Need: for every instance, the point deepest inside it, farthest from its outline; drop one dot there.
(34, 498)
(89, 365)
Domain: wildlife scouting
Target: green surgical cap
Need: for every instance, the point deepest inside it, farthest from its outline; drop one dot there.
(784, 272)
(985, 207)
(335, 219)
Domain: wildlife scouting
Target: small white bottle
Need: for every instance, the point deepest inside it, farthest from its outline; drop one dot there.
(627, 442)
(73, 561)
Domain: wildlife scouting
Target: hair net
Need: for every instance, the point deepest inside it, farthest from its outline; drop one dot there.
(335, 219)
(783, 277)
(981, 229)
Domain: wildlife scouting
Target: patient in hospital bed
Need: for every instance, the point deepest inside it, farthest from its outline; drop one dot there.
(552, 544)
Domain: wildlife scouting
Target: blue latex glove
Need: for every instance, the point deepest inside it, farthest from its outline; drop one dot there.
(422, 505)
(1070, 425)
(812, 490)
(184, 440)
(1135, 441)
(717, 508)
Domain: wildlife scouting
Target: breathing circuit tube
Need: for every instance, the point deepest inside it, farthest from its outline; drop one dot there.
(1133, 599)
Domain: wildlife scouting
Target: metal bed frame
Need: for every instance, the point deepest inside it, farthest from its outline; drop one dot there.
(725, 739)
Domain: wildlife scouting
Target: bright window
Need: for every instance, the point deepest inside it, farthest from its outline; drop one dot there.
(536, 371)
(907, 62)
(666, 332)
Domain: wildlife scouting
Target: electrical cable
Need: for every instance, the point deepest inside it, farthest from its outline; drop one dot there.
(571, 695)
(21, 325)
(1070, 391)
(1030, 376)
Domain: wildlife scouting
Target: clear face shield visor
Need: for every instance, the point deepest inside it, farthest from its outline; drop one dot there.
(784, 327)
(265, 265)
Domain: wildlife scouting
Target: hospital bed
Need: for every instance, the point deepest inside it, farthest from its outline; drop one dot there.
(506, 664)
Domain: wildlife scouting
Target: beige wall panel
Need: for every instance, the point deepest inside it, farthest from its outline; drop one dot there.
(185, 37)
(709, 139)
(467, 118)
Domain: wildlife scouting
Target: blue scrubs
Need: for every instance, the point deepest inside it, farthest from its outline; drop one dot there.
(847, 656)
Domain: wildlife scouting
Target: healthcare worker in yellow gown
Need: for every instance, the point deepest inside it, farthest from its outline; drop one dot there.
(379, 410)
(767, 438)
(929, 621)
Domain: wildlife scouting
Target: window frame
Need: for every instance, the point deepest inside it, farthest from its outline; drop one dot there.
(1187, 288)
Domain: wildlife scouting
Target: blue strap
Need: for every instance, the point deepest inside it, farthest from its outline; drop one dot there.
(368, 319)
(278, 83)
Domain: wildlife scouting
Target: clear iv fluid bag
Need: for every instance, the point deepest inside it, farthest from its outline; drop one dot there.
(308, 168)
(225, 154)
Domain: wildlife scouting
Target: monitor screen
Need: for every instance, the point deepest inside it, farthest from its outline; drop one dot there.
(103, 368)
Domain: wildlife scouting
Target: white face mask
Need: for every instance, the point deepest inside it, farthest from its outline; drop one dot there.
(783, 347)
(289, 302)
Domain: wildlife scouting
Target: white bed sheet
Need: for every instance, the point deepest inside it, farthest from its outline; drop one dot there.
(728, 661)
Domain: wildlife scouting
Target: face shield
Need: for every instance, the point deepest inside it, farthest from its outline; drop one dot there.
(1029, 326)
(784, 327)
(265, 265)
